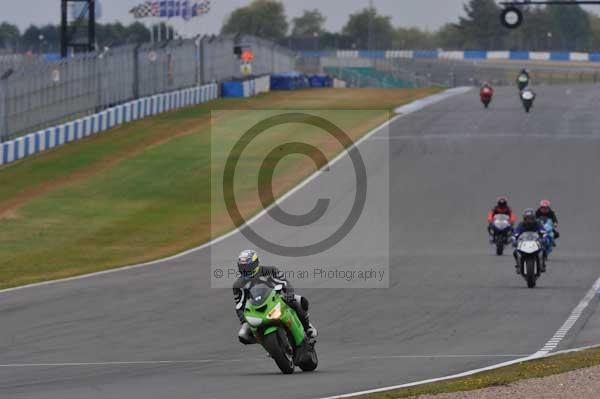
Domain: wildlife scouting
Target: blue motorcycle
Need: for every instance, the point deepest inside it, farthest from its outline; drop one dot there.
(548, 240)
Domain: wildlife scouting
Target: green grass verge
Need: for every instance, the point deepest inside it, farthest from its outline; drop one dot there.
(503, 376)
(142, 191)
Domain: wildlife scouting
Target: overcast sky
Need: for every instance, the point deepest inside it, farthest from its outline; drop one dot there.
(429, 14)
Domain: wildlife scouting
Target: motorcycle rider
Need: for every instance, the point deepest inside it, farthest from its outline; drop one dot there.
(250, 270)
(501, 208)
(486, 89)
(529, 223)
(545, 211)
(486, 92)
(523, 74)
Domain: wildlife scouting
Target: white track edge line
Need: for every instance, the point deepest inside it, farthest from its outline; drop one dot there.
(563, 331)
(541, 354)
(124, 363)
(402, 111)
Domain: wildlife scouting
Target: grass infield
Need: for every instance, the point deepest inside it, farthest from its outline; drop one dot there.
(141, 191)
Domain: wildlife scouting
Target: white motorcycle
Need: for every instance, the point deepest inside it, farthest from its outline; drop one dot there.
(501, 230)
(527, 98)
(529, 257)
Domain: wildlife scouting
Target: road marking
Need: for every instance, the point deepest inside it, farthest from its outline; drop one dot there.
(564, 329)
(376, 357)
(485, 136)
(132, 363)
(404, 111)
(562, 332)
(204, 361)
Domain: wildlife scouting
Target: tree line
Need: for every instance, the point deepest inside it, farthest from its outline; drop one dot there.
(555, 28)
(552, 28)
(46, 39)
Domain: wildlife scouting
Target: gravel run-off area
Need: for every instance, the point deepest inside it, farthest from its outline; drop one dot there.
(578, 384)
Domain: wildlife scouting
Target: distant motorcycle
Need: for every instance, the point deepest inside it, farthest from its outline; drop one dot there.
(486, 94)
(522, 81)
(527, 98)
(530, 257)
(501, 230)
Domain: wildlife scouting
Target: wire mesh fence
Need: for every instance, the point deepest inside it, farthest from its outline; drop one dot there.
(445, 72)
(35, 93)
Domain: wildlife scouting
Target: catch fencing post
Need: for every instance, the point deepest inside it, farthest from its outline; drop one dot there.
(136, 72)
(3, 117)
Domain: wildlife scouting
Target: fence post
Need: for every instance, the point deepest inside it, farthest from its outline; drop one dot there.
(136, 71)
(3, 116)
(201, 56)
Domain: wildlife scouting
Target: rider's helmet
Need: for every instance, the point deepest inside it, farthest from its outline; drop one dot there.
(529, 217)
(545, 207)
(545, 204)
(502, 202)
(524, 71)
(248, 263)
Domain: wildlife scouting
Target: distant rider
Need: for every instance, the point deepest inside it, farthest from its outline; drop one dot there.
(545, 211)
(524, 72)
(523, 79)
(501, 208)
(251, 271)
(486, 90)
(529, 224)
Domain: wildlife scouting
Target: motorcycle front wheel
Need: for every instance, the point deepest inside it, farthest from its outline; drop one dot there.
(279, 347)
(530, 272)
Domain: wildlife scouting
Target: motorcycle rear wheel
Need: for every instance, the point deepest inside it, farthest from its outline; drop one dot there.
(499, 249)
(311, 362)
(279, 347)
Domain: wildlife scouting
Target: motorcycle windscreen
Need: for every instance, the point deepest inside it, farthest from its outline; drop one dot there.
(501, 222)
(529, 236)
(259, 294)
(527, 95)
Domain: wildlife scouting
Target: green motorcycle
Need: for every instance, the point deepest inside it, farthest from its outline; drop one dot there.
(278, 329)
(522, 81)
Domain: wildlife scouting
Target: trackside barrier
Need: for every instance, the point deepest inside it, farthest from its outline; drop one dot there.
(48, 138)
(460, 55)
(246, 88)
(339, 84)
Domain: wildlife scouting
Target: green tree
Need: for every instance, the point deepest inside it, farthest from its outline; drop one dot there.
(413, 38)
(480, 27)
(370, 30)
(450, 37)
(41, 40)
(310, 23)
(137, 33)
(594, 33)
(9, 36)
(262, 18)
(572, 26)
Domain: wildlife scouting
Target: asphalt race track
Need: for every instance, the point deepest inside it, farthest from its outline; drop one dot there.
(161, 332)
